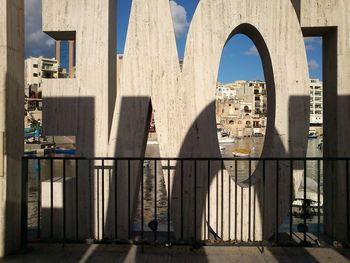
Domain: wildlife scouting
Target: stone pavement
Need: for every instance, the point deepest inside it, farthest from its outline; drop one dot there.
(122, 253)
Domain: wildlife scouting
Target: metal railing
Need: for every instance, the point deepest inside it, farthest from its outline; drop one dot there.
(76, 199)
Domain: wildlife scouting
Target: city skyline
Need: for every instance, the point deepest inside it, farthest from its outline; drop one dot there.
(240, 58)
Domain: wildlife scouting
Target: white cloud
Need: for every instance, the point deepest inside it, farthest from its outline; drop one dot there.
(179, 16)
(313, 40)
(313, 64)
(37, 42)
(252, 51)
(309, 47)
(309, 39)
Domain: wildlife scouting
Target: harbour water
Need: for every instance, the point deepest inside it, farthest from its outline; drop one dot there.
(255, 145)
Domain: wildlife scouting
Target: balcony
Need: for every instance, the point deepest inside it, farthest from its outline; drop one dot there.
(65, 200)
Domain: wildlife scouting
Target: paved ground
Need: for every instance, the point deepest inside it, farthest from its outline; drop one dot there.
(121, 253)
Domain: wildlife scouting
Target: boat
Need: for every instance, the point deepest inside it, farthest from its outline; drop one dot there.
(222, 149)
(65, 151)
(241, 152)
(224, 137)
(312, 135)
(312, 208)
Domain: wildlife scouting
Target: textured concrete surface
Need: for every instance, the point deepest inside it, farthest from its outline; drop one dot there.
(83, 106)
(330, 19)
(103, 253)
(183, 103)
(184, 107)
(11, 121)
(94, 86)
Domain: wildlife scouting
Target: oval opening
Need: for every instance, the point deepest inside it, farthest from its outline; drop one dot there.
(241, 105)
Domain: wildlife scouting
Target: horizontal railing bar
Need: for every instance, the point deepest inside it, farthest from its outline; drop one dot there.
(187, 158)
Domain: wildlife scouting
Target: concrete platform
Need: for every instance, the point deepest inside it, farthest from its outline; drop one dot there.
(124, 253)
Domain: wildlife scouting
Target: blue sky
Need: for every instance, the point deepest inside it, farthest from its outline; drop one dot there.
(240, 59)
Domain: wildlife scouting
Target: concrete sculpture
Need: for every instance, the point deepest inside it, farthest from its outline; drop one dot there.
(330, 19)
(186, 98)
(151, 75)
(11, 122)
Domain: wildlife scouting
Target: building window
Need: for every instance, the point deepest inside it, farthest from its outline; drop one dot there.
(35, 66)
(35, 74)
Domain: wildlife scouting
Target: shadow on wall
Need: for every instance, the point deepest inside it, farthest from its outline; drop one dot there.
(11, 154)
(208, 180)
(188, 176)
(196, 145)
(65, 117)
(118, 190)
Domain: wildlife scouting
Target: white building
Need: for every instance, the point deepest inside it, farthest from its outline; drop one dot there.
(38, 68)
(225, 92)
(35, 69)
(316, 102)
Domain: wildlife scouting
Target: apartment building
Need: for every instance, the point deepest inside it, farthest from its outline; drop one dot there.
(316, 102)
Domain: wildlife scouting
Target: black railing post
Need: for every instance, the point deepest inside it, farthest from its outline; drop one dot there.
(116, 199)
(249, 197)
(277, 200)
(76, 200)
(263, 204)
(24, 204)
(39, 200)
(217, 202)
(229, 207)
(195, 200)
(64, 201)
(51, 198)
(304, 203)
(103, 199)
(291, 202)
(318, 198)
(155, 198)
(142, 204)
(347, 203)
(90, 190)
(168, 201)
(129, 205)
(222, 199)
(98, 200)
(182, 200)
(236, 195)
(208, 182)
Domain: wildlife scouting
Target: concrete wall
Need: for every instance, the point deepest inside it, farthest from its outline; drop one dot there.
(11, 122)
(83, 106)
(330, 19)
(184, 102)
(95, 34)
(185, 117)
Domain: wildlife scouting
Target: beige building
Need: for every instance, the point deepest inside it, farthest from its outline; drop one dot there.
(254, 92)
(241, 107)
